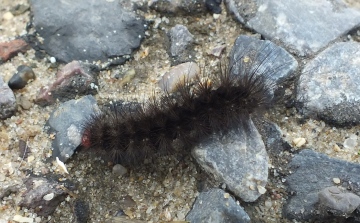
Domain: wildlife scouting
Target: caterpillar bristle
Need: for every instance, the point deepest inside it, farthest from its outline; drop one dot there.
(178, 121)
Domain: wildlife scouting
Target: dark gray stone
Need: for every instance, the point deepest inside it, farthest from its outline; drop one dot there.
(7, 101)
(43, 195)
(216, 206)
(21, 77)
(181, 49)
(303, 26)
(239, 159)
(263, 58)
(329, 85)
(74, 79)
(83, 30)
(67, 122)
(81, 211)
(179, 7)
(312, 173)
(213, 6)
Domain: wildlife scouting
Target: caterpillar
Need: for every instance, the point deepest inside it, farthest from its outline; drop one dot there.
(176, 122)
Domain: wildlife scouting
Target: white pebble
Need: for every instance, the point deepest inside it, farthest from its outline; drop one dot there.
(261, 189)
(298, 142)
(8, 16)
(19, 218)
(216, 16)
(52, 60)
(336, 180)
(49, 197)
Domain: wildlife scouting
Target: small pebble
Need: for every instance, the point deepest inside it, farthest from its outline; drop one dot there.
(337, 148)
(177, 74)
(336, 180)
(24, 103)
(119, 170)
(351, 142)
(23, 75)
(261, 189)
(8, 16)
(49, 197)
(30, 159)
(298, 142)
(268, 203)
(52, 60)
(19, 218)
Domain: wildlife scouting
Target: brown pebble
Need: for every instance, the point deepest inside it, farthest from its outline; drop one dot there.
(12, 48)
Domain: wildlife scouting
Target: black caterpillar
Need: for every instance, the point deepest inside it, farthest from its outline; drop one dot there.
(180, 120)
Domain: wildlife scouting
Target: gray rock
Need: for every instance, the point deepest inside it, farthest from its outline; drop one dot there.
(119, 170)
(74, 79)
(7, 101)
(67, 122)
(297, 23)
(329, 85)
(181, 40)
(338, 201)
(238, 159)
(43, 195)
(83, 30)
(261, 57)
(21, 77)
(313, 172)
(216, 206)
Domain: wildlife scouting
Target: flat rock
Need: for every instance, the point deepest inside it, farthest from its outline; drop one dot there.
(238, 159)
(67, 122)
(329, 85)
(338, 201)
(83, 30)
(43, 195)
(312, 174)
(216, 206)
(297, 24)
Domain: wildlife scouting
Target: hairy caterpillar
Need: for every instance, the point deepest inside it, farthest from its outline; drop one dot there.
(180, 120)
